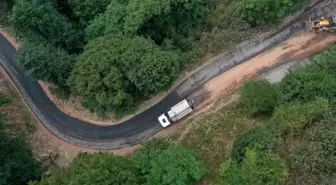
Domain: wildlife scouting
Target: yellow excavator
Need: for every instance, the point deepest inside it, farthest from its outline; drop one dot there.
(323, 25)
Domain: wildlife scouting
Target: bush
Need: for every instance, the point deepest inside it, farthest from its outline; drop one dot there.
(307, 84)
(86, 10)
(263, 12)
(45, 62)
(259, 135)
(318, 80)
(111, 22)
(166, 164)
(62, 93)
(98, 169)
(292, 118)
(259, 97)
(157, 20)
(5, 9)
(43, 19)
(257, 168)
(315, 158)
(17, 165)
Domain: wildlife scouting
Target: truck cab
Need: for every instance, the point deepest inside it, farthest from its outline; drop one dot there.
(164, 121)
(175, 113)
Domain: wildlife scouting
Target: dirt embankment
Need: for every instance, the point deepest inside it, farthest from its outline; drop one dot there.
(224, 85)
(305, 44)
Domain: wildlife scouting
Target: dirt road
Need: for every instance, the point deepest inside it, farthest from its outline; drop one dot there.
(303, 45)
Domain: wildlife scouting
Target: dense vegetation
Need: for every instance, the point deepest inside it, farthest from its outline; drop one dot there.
(150, 42)
(306, 113)
(294, 143)
(150, 165)
(115, 71)
(17, 165)
(277, 134)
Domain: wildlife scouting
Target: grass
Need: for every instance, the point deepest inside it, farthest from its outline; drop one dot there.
(212, 137)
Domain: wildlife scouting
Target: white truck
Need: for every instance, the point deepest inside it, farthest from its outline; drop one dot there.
(176, 113)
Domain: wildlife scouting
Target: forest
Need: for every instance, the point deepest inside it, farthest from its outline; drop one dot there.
(116, 54)
(284, 134)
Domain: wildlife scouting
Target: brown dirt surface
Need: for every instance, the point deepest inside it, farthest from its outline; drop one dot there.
(305, 44)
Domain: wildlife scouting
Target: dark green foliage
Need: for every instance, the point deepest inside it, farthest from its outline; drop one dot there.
(151, 165)
(114, 71)
(326, 61)
(260, 135)
(260, 97)
(17, 165)
(4, 100)
(315, 158)
(263, 12)
(172, 19)
(45, 62)
(168, 164)
(5, 9)
(319, 80)
(43, 19)
(109, 22)
(86, 10)
(62, 93)
(294, 117)
(258, 167)
(97, 169)
(307, 84)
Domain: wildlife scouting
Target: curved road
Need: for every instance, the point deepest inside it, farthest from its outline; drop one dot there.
(144, 125)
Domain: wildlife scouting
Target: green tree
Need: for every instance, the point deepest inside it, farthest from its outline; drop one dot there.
(113, 71)
(17, 165)
(98, 169)
(168, 164)
(231, 173)
(326, 61)
(109, 22)
(5, 9)
(175, 19)
(292, 118)
(43, 19)
(307, 84)
(86, 10)
(259, 135)
(258, 167)
(315, 156)
(263, 12)
(318, 80)
(45, 62)
(260, 97)
(158, 20)
(261, 168)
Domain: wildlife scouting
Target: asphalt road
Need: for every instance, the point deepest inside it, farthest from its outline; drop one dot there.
(82, 133)
(144, 125)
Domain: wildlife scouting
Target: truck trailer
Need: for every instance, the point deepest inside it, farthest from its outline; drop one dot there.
(176, 113)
